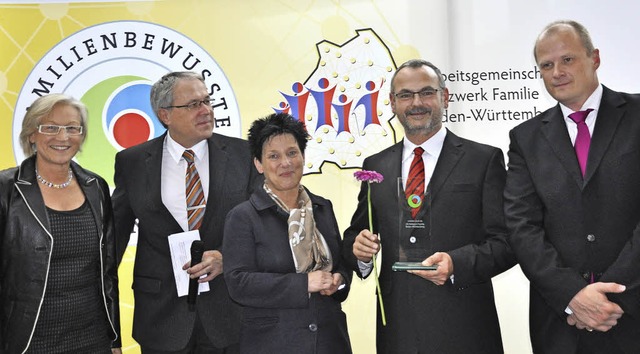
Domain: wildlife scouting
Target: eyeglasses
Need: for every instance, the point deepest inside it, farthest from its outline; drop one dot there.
(408, 95)
(50, 129)
(193, 104)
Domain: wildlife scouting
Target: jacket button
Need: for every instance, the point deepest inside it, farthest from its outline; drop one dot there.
(591, 237)
(412, 239)
(313, 327)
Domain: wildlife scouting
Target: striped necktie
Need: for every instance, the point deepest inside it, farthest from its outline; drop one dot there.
(583, 139)
(194, 192)
(414, 191)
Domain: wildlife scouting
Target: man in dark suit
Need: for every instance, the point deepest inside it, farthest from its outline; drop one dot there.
(150, 187)
(572, 216)
(460, 228)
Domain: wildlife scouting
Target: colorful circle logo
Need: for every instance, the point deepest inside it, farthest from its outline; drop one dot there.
(414, 201)
(111, 68)
(128, 117)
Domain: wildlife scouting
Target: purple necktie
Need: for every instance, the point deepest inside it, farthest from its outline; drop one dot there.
(583, 139)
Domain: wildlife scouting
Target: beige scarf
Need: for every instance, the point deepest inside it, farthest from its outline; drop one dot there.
(308, 246)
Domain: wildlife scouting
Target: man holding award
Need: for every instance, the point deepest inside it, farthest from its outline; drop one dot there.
(438, 218)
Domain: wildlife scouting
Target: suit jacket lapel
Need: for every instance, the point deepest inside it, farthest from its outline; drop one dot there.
(609, 116)
(392, 167)
(449, 157)
(153, 169)
(555, 132)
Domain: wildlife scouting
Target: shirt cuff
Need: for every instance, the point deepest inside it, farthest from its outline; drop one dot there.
(365, 268)
(568, 311)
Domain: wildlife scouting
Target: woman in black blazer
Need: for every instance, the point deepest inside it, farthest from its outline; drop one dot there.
(282, 252)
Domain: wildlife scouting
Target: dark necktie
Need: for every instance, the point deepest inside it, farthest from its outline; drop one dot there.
(194, 193)
(583, 139)
(415, 181)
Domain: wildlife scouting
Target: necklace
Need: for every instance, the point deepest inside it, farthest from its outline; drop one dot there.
(54, 185)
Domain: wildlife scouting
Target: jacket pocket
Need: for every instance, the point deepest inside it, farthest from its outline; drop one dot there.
(147, 285)
(261, 321)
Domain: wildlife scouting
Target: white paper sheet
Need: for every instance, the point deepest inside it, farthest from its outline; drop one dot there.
(180, 247)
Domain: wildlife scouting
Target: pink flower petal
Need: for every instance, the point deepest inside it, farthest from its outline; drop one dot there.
(368, 176)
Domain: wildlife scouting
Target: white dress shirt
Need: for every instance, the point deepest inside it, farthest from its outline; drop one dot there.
(174, 169)
(592, 102)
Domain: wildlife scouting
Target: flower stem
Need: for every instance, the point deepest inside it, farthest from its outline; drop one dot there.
(375, 268)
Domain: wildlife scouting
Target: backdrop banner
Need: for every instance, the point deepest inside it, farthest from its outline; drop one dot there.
(327, 63)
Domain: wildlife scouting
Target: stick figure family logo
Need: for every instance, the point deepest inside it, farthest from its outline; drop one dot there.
(111, 68)
(344, 102)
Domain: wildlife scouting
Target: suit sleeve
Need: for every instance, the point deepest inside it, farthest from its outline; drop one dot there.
(626, 271)
(524, 215)
(4, 206)
(124, 217)
(479, 262)
(339, 265)
(248, 285)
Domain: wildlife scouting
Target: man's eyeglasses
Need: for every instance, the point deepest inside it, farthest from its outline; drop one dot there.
(193, 104)
(50, 129)
(423, 94)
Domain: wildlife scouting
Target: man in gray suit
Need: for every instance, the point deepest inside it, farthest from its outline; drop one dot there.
(572, 203)
(150, 187)
(460, 228)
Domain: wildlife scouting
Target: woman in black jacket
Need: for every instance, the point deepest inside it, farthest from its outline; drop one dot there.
(59, 288)
(282, 253)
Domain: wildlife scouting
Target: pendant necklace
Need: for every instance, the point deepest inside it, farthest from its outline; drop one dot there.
(54, 185)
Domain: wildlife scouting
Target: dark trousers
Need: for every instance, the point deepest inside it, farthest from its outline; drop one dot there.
(199, 343)
(598, 343)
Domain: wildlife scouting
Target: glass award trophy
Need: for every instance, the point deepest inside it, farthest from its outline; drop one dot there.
(414, 228)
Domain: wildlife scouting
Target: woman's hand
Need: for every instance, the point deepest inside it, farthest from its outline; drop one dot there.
(319, 280)
(116, 350)
(338, 281)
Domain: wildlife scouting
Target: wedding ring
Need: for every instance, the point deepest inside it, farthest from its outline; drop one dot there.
(589, 329)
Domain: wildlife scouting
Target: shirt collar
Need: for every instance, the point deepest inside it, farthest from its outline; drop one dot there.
(593, 102)
(433, 146)
(176, 150)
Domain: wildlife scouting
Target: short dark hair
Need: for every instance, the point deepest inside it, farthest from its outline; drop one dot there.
(415, 64)
(265, 128)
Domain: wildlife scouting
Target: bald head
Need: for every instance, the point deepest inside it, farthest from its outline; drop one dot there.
(566, 26)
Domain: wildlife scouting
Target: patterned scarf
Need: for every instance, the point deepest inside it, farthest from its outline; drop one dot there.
(309, 249)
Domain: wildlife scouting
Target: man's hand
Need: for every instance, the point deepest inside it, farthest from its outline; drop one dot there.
(440, 275)
(211, 265)
(337, 281)
(592, 310)
(366, 245)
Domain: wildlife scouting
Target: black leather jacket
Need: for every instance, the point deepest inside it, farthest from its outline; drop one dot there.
(25, 252)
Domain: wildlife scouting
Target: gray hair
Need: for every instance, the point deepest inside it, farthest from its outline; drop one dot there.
(415, 64)
(162, 91)
(41, 108)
